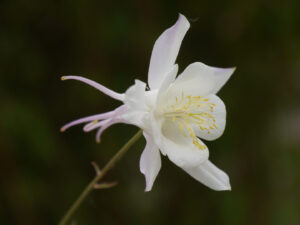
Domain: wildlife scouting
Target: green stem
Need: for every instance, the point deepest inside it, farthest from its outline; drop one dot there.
(98, 177)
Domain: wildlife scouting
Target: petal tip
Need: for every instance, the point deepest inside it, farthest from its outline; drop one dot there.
(147, 189)
(182, 18)
(225, 186)
(233, 69)
(229, 71)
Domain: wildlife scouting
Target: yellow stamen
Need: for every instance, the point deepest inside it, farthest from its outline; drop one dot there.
(192, 110)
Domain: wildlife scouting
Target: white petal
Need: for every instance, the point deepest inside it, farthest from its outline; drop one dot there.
(180, 148)
(150, 162)
(135, 103)
(135, 95)
(169, 78)
(211, 176)
(205, 79)
(219, 114)
(165, 51)
(221, 77)
(196, 80)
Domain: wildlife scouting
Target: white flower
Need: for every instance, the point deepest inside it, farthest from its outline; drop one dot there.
(174, 114)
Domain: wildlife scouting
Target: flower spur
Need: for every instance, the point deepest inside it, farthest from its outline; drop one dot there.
(174, 114)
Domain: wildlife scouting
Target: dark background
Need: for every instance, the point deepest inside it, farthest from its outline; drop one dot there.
(42, 171)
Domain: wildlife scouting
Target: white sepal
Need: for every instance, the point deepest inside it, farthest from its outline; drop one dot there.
(196, 80)
(150, 162)
(211, 176)
(165, 51)
(221, 75)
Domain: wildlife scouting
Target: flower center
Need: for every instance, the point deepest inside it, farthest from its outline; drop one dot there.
(188, 111)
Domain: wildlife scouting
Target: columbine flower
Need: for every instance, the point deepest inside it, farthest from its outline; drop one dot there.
(174, 114)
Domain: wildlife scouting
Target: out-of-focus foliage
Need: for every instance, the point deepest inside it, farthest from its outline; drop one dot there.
(42, 171)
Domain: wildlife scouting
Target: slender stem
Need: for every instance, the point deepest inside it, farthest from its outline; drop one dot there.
(98, 177)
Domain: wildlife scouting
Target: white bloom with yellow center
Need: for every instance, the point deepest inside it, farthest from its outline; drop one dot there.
(174, 114)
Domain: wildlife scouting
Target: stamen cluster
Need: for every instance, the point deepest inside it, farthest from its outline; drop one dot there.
(190, 110)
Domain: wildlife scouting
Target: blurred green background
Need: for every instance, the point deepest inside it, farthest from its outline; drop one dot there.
(42, 171)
